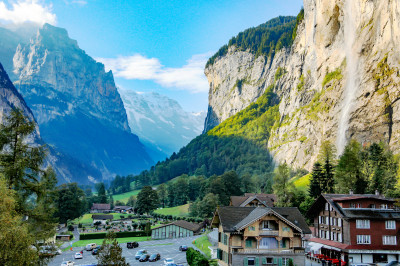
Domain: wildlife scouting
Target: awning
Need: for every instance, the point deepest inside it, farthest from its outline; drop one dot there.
(313, 246)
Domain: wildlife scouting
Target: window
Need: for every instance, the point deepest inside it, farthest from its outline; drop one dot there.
(373, 206)
(285, 261)
(358, 205)
(326, 220)
(352, 205)
(269, 260)
(326, 206)
(389, 240)
(390, 224)
(252, 228)
(384, 206)
(363, 239)
(362, 224)
(251, 261)
(320, 220)
(339, 237)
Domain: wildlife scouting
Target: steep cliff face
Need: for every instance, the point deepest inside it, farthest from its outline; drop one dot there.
(339, 80)
(160, 122)
(77, 106)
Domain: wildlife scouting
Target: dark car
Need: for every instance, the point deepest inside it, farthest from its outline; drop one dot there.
(183, 248)
(95, 251)
(155, 257)
(144, 257)
(140, 253)
(132, 244)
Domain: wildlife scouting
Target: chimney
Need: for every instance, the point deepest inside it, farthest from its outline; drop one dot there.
(376, 192)
(351, 192)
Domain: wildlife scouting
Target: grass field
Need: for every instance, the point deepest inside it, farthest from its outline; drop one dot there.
(202, 243)
(82, 243)
(302, 182)
(87, 218)
(125, 196)
(182, 210)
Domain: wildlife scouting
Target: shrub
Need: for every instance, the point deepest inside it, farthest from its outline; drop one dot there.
(119, 235)
(70, 227)
(194, 257)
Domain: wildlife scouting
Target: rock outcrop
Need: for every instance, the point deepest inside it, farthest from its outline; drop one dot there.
(339, 80)
(77, 105)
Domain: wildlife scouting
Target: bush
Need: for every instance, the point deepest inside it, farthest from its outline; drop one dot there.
(79, 225)
(70, 227)
(119, 235)
(194, 257)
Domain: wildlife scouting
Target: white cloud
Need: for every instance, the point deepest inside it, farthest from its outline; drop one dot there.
(22, 11)
(76, 2)
(188, 77)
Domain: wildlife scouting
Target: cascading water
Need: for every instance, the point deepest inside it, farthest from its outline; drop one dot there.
(350, 89)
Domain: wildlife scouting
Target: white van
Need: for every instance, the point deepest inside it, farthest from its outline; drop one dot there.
(91, 246)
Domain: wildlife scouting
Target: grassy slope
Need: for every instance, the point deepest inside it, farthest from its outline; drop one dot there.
(302, 182)
(182, 210)
(125, 196)
(202, 243)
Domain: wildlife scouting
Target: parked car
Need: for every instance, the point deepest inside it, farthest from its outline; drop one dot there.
(90, 247)
(168, 261)
(95, 251)
(132, 244)
(155, 257)
(140, 253)
(78, 255)
(393, 263)
(144, 257)
(67, 263)
(183, 248)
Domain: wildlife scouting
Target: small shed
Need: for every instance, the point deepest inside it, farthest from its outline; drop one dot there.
(63, 237)
(176, 229)
(123, 209)
(102, 218)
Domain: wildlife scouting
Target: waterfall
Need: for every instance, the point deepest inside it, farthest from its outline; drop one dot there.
(349, 93)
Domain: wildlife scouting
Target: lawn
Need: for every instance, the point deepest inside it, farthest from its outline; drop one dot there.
(202, 243)
(82, 243)
(125, 196)
(182, 210)
(302, 182)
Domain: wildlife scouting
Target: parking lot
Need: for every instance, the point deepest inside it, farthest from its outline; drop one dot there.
(168, 248)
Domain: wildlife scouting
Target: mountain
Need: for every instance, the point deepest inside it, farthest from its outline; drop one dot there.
(160, 122)
(338, 80)
(76, 105)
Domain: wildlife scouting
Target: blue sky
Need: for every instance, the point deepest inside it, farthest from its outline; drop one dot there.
(153, 45)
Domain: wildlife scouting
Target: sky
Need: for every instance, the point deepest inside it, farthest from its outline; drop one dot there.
(152, 45)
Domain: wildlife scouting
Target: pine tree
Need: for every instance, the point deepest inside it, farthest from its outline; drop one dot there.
(110, 252)
(317, 176)
(101, 193)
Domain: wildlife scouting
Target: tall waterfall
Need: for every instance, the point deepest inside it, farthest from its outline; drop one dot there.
(349, 93)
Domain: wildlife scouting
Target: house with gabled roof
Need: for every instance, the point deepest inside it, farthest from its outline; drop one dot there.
(253, 200)
(356, 228)
(100, 208)
(176, 229)
(260, 235)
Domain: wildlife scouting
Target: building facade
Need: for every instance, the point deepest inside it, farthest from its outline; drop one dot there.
(175, 230)
(260, 235)
(357, 228)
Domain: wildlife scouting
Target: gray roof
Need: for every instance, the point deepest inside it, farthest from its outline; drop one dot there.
(235, 218)
(375, 213)
(195, 227)
(102, 217)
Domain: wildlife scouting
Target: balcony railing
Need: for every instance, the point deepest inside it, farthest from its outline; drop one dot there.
(269, 251)
(269, 233)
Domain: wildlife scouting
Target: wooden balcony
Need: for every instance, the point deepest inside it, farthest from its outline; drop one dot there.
(269, 233)
(267, 251)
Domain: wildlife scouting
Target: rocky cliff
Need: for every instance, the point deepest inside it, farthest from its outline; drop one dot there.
(339, 80)
(77, 105)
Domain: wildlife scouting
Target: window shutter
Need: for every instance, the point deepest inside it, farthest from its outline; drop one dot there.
(264, 260)
(280, 262)
(245, 262)
(257, 261)
(275, 261)
(219, 236)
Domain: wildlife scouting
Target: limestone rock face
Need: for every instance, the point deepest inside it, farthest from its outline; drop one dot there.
(341, 80)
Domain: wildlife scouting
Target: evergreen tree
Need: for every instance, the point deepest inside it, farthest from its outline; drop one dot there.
(110, 252)
(147, 200)
(70, 202)
(327, 157)
(317, 176)
(101, 193)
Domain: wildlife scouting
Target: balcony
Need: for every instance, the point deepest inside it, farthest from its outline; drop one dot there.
(269, 251)
(269, 233)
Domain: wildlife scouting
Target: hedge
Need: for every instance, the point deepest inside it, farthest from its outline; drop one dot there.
(119, 235)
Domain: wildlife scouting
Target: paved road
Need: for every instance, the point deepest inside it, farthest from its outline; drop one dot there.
(168, 248)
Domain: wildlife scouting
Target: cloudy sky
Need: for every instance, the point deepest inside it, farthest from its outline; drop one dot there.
(152, 45)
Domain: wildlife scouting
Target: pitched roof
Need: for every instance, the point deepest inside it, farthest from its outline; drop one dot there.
(372, 213)
(235, 218)
(101, 206)
(266, 199)
(195, 227)
(102, 217)
(123, 207)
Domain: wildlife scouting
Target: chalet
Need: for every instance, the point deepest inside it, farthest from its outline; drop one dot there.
(102, 218)
(100, 208)
(355, 228)
(253, 200)
(123, 209)
(176, 229)
(260, 235)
